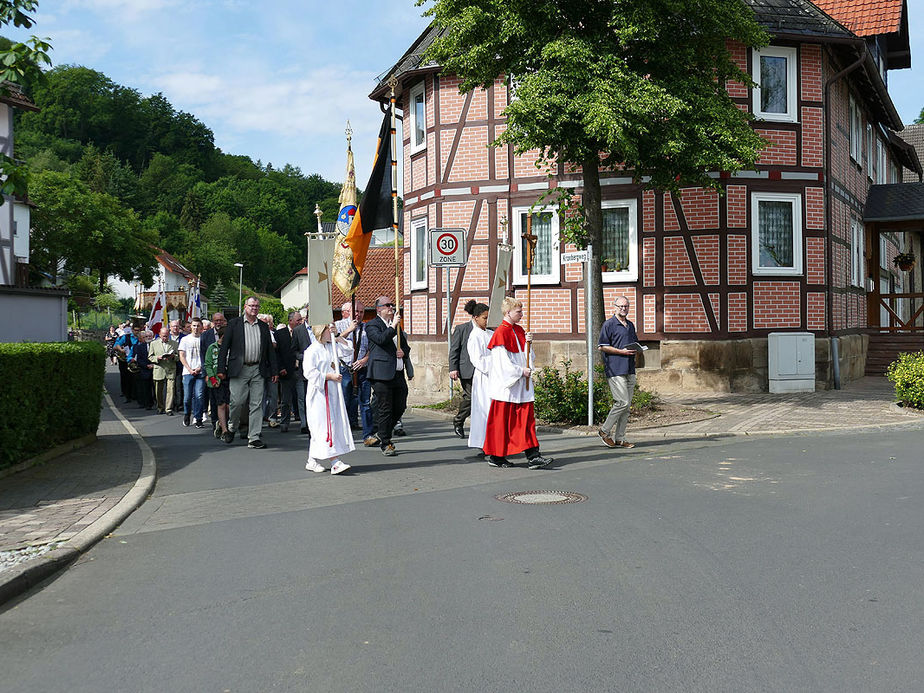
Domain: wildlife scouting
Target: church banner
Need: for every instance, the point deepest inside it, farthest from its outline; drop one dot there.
(499, 286)
(320, 262)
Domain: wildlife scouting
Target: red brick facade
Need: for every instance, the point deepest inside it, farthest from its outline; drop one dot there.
(696, 273)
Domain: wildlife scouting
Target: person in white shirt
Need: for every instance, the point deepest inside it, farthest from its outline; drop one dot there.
(327, 417)
(480, 357)
(193, 375)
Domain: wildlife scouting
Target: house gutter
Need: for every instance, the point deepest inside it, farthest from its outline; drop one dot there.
(829, 185)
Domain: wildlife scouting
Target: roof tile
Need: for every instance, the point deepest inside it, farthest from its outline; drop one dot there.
(865, 17)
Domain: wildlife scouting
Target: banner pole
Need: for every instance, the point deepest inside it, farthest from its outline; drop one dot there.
(588, 292)
(394, 200)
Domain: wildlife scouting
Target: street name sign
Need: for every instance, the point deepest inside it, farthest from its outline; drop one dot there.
(576, 256)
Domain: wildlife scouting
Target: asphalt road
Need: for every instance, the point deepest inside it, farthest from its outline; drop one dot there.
(784, 564)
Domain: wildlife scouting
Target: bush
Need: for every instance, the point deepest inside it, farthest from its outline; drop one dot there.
(52, 393)
(561, 397)
(907, 373)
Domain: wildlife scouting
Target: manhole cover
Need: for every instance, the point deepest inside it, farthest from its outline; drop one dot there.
(541, 497)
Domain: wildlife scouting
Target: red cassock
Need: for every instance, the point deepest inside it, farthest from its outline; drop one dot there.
(511, 424)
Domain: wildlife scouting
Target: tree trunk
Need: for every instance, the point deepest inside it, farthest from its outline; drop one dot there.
(593, 221)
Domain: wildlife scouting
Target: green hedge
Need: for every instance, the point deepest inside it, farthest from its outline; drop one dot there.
(907, 374)
(51, 393)
(561, 396)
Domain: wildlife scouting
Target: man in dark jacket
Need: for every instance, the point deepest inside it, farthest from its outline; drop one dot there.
(286, 347)
(386, 370)
(461, 369)
(247, 357)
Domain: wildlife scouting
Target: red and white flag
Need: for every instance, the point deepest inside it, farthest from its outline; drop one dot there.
(158, 317)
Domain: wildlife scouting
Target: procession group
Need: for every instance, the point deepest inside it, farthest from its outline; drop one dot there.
(350, 374)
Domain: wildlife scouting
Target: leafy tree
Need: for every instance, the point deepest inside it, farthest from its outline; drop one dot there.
(218, 296)
(920, 118)
(76, 228)
(163, 184)
(165, 227)
(640, 81)
(20, 64)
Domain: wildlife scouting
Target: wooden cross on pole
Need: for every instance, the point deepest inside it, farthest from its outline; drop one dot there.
(530, 240)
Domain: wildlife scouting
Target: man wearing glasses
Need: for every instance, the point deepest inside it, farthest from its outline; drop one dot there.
(618, 332)
(388, 362)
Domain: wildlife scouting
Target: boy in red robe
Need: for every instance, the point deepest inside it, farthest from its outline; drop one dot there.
(511, 425)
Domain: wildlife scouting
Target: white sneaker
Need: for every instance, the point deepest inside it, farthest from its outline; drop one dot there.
(314, 466)
(338, 467)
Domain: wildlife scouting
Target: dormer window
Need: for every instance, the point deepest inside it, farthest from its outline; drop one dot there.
(774, 71)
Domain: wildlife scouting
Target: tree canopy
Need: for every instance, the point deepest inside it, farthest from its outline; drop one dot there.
(636, 83)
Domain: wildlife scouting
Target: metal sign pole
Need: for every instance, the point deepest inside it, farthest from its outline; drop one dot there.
(588, 287)
(448, 335)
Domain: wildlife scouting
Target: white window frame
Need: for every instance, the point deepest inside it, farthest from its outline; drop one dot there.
(798, 250)
(415, 91)
(857, 247)
(792, 107)
(882, 170)
(630, 274)
(856, 131)
(418, 282)
(869, 150)
(518, 277)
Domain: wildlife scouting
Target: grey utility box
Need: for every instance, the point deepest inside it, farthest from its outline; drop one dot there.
(791, 360)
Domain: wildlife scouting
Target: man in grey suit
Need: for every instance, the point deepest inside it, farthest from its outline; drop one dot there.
(386, 370)
(461, 369)
(247, 358)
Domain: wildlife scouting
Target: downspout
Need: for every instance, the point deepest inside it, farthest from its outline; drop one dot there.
(829, 185)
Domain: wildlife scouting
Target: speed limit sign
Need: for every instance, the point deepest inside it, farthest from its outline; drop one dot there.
(447, 248)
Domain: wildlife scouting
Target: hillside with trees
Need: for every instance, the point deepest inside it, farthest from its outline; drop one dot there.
(113, 172)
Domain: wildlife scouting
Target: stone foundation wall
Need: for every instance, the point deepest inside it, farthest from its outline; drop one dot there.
(739, 365)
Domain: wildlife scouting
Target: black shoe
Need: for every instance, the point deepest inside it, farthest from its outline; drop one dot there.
(304, 430)
(498, 461)
(399, 432)
(170, 413)
(538, 462)
(186, 419)
(228, 437)
(199, 424)
(458, 430)
(256, 444)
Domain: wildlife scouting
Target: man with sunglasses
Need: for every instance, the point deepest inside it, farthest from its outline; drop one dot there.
(388, 360)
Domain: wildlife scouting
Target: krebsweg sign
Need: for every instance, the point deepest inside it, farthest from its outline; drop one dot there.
(447, 248)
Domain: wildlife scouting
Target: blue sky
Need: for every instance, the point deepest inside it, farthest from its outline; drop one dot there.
(279, 85)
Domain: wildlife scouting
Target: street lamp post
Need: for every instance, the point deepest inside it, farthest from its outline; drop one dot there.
(240, 287)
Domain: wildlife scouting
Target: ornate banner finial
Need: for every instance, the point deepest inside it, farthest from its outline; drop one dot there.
(318, 213)
(349, 133)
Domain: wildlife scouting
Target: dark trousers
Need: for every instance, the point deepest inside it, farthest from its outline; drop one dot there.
(389, 405)
(144, 393)
(365, 405)
(211, 401)
(465, 407)
(126, 384)
(289, 397)
(350, 396)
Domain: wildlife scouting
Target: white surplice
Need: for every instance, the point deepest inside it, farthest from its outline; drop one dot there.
(327, 417)
(507, 383)
(480, 357)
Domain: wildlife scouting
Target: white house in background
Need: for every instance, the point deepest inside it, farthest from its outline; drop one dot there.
(176, 280)
(40, 313)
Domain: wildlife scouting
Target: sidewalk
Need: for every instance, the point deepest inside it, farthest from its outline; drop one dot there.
(51, 513)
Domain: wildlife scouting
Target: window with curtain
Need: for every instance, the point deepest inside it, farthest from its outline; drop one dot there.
(615, 251)
(546, 267)
(776, 233)
(542, 229)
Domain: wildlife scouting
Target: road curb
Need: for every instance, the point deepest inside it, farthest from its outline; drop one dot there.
(30, 573)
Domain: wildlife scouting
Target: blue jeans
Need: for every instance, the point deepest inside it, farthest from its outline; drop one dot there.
(350, 398)
(194, 391)
(365, 408)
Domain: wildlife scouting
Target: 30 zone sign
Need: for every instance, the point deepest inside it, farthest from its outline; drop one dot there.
(447, 248)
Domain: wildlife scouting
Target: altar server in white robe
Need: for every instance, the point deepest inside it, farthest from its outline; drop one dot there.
(480, 356)
(327, 416)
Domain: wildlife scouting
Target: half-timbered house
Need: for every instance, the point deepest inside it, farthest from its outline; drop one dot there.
(709, 276)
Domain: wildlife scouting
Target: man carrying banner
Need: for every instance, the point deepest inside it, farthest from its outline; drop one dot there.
(511, 425)
(386, 370)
